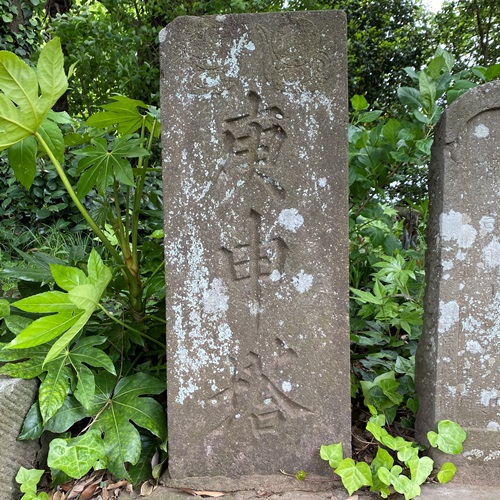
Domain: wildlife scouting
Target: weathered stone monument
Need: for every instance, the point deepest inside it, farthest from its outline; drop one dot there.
(16, 398)
(458, 361)
(254, 113)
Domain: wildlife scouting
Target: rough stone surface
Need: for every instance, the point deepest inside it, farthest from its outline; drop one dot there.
(458, 492)
(16, 398)
(458, 361)
(254, 123)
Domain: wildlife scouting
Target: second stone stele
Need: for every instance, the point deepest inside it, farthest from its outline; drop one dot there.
(254, 116)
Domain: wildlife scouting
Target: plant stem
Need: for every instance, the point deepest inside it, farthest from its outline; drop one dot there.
(128, 327)
(111, 249)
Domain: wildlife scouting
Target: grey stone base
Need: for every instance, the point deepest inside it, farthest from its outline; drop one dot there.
(459, 492)
(16, 397)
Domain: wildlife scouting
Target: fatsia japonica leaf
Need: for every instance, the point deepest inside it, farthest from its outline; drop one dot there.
(123, 113)
(23, 363)
(103, 163)
(26, 97)
(118, 408)
(72, 309)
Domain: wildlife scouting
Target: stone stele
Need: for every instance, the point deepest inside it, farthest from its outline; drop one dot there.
(254, 117)
(16, 398)
(458, 361)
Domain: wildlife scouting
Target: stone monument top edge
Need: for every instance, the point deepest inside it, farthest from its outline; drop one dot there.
(484, 97)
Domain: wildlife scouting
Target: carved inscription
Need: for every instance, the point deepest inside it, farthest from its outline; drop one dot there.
(253, 141)
(256, 399)
(256, 259)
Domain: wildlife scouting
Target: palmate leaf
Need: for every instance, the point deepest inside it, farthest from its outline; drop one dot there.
(102, 164)
(22, 109)
(73, 309)
(123, 113)
(117, 407)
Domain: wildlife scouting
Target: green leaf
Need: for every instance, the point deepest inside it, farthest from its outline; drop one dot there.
(382, 459)
(102, 164)
(67, 277)
(4, 308)
(142, 471)
(52, 135)
(409, 97)
(23, 363)
(53, 390)
(354, 475)
(76, 456)
(73, 309)
(449, 438)
(427, 90)
(401, 483)
(85, 387)
(28, 479)
(116, 407)
(22, 111)
(447, 472)
(68, 414)
(359, 102)
(369, 116)
(32, 426)
(420, 468)
(22, 159)
(332, 453)
(123, 113)
(492, 72)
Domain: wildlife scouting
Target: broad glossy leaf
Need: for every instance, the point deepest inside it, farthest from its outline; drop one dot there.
(23, 363)
(19, 84)
(409, 97)
(67, 277)
(382, 459)
(52, 135)
(53, 390)
(116, 409)
(76, 456)
(4, 308)
(68, 414)
(142, 471)
(32, 426)
(22, 159)
(354, 475)
(46, 302)
(85, 386)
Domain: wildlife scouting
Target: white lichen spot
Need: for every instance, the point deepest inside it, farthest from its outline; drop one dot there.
(267, 401)
(447, 265)
(163, 35)
(493, 426)
(302, 282)
(453, 228)
(492, 456)
(286, 386)
(220, 18)
(471, 454)
(322, 182)
(491, 254)
(449, 313)
(487, 395)
(487, 224)
(250, 46)
(474, 347)
(215, 298)
(290, 219)
(481, 131)
(275, 275)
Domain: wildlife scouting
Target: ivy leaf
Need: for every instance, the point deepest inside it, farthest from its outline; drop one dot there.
(102, 164)
(28, 479)
(449, 438)
(382, 459)
(117, 407)
(73, 310)
(354, 475)
(76, 456)
(401, 483)
(447, 472)
(332, 453)
(420, 468)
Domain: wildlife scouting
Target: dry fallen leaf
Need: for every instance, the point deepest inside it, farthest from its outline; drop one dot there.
(146, 489)
(200, 493)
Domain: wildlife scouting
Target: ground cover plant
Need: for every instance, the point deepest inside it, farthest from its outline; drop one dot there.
(89, 323)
